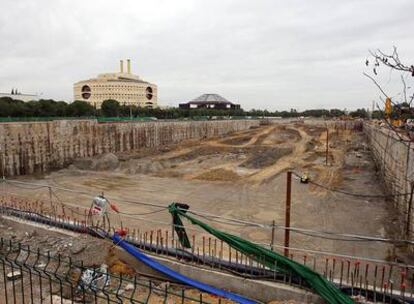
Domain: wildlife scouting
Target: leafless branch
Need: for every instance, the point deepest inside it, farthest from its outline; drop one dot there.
(376, 83)
(404, 88)
(392, 61)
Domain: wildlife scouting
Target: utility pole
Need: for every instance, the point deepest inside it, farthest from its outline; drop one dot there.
(287, 214)
(172, 230)
(3, 168)
(273, 236)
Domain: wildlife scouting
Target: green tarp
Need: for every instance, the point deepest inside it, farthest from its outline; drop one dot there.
(271, 259)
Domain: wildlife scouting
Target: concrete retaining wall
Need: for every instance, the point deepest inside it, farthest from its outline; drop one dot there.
(259, 290)
(37, 147)
(395, 160)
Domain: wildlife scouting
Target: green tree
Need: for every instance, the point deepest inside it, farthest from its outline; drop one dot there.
(336, 112)
(5, 110)
(80, 108)
(45, 107)
(360, 113)
(110, 108)
(377, 115)
(18, 108)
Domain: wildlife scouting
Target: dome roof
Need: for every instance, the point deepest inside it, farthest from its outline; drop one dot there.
(209, 98)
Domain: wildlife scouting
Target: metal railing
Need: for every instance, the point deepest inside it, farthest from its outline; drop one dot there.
(43, 118)
(103, 119)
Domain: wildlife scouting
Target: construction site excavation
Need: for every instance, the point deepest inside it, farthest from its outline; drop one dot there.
(323, 175)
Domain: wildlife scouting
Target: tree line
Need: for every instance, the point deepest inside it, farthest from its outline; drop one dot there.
(111, 108)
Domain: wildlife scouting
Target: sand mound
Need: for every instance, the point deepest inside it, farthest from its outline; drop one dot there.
(107, 161)
(219, 174)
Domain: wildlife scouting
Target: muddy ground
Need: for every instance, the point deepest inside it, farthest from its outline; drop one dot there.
(240, 176)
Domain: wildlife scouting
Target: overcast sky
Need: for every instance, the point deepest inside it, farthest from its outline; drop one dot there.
(262, 54)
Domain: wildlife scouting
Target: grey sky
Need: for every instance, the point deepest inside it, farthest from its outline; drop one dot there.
(262, 54)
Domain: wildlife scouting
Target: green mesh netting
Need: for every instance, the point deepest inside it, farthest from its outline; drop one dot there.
(271, 259)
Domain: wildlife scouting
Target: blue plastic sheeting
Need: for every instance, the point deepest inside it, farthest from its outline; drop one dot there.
(177, 276)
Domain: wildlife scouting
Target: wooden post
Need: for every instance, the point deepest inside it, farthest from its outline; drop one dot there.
(50, 197)
(172, 230)
(327, 145)
(287, 214)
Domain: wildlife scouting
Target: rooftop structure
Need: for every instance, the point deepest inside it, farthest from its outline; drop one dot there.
(15, 94)
(210, 101)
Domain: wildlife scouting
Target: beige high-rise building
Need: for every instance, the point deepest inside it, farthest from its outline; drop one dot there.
(125, 87)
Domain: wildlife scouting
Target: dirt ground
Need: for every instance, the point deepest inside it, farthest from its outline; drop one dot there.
(241, 176)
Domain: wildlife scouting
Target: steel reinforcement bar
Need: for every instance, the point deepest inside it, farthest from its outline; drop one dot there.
(355, 284)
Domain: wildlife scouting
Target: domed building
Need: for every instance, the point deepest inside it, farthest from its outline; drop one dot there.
(210, 101)
(125, 87)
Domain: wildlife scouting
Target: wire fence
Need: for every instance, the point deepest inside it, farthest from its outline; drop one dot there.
(30, 276)
(50, 202)
(373, 279)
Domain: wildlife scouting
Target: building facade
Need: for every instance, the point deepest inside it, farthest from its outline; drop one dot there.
(209, 101)
(15, 94)
(125, 87)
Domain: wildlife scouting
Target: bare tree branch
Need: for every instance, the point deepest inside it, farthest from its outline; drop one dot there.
(392, 61)
(405, 88)
(376, 83)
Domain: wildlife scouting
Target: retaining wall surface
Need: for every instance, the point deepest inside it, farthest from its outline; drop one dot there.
(395, 159)
(37, 147)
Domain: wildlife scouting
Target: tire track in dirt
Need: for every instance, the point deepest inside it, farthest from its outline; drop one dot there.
(284, 162)
(217, 143)
(252, 141)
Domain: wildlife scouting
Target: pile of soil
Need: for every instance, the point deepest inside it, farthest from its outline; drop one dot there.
(264, 157)
(143, 166)
(219, 174)
(108, 161)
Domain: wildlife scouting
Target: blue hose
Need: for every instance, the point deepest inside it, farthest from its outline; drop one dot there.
(177, 276)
